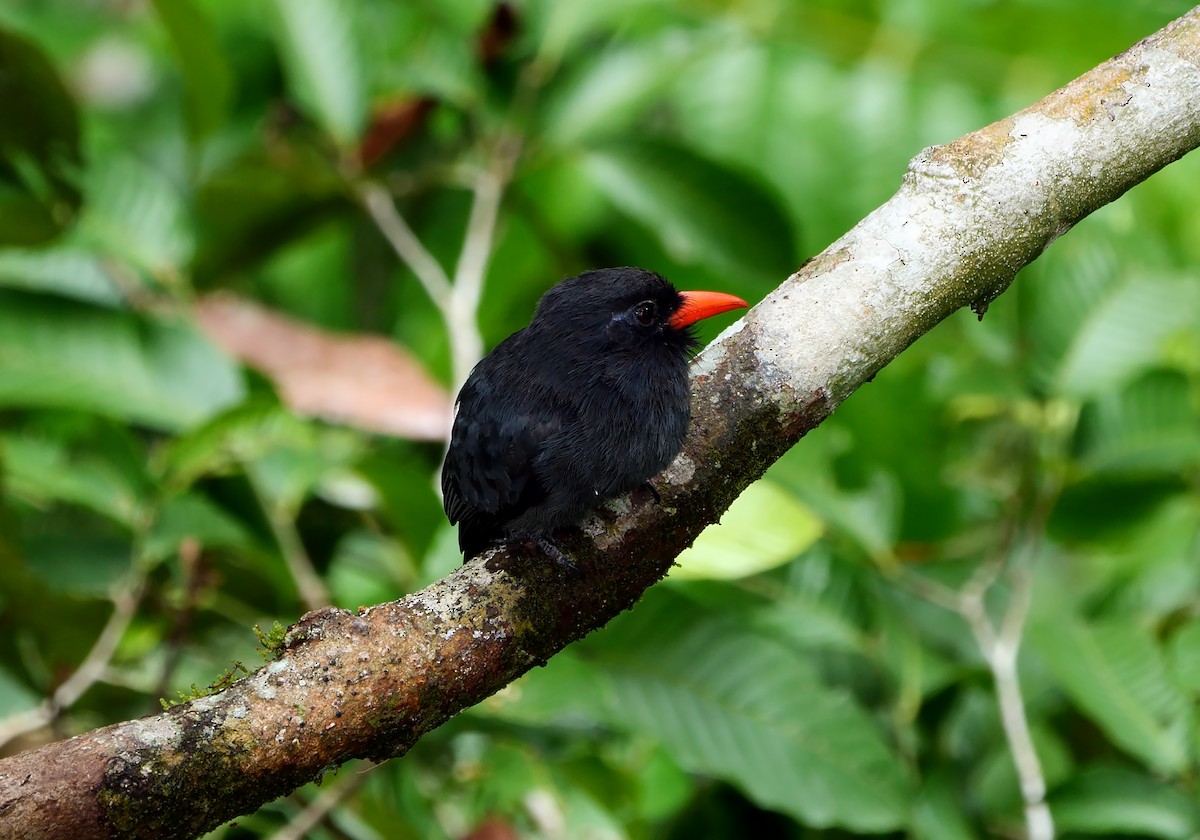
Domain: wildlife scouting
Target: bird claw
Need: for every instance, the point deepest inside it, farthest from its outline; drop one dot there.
(550, 547)
(653, 491)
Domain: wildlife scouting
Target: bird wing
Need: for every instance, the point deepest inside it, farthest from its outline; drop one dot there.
(489, 466)
(493, 473)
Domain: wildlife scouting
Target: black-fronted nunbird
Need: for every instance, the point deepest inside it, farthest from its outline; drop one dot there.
(588, 401)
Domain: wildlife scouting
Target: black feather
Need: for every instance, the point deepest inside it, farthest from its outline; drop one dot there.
(585, 403)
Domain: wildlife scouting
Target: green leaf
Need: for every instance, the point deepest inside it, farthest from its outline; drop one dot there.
(867, 509)
(191, 516)
(15, 695)
(25, 220)
(65, 270)
(1097, 325)
(939, 813)
(368, 568)
(136, 213)
(569, 692)
(207, 78)
(559, 26)
(903, 644)
(818, 607)
(88, 567)
(429, 49)
(42, 470)
(257, 204)
(1111, 801)
(321, 56)
(701, 211)
(764, 528)
(288, 474)
(614, 87)
(995, 775)
(1135, 550)
(1151, 426)
(463, 16)
(1126, 330)
(1114, 673)
(1184, 655)
(39, 146)
(743, 708)
(226, 441)
(810, 624)
(663, 788)
(57, 353)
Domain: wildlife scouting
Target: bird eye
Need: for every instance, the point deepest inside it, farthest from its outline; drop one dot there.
(645, 312)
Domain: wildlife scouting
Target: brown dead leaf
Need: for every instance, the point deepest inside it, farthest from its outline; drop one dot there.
(359, 380)
(493, 828)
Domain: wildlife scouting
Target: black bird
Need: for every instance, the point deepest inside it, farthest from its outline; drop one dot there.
(588, 401)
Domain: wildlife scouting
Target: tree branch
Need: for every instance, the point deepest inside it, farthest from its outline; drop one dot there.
(462, 310)
(458, 301)
(967, 217)
(404, 242)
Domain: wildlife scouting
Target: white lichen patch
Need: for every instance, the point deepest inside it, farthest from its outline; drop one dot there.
(1040, 141)
(712, 357)
(681, 470)
(730, 331)
(261, 684)
(160, 732)
(453, 597)
(620, 505)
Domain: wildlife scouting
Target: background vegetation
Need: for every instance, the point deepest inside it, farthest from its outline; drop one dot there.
(835, 659)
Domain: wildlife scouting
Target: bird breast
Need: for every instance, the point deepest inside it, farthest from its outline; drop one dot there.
(643, 414)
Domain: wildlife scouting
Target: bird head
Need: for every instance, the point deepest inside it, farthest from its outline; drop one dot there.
(629, 309)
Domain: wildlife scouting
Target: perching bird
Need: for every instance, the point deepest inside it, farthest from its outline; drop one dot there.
(588, 401)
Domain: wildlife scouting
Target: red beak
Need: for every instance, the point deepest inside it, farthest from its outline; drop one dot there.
(697, 306)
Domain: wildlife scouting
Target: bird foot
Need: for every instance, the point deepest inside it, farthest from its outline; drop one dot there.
(550, 547)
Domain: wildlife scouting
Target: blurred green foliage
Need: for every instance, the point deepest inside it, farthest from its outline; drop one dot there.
(802, 676)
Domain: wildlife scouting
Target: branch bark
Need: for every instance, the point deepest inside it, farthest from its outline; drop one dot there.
(967, 217)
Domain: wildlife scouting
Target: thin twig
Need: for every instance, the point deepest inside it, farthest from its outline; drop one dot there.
(462, 321)
(95, 665)
(190, 559)
(1038, 819)
(1002, 660)
(125, 603)
(22, 723)
(931, 590)
(1000, 642)
(458, 301)
(300, 826)
(989, 571)
(456, 304)
(405, 243)
(309, 585)
(1000, 648)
